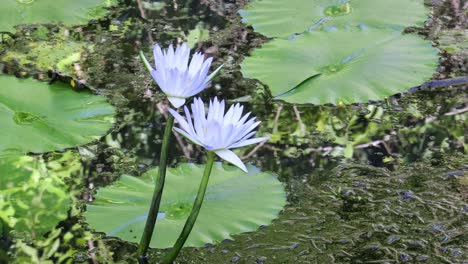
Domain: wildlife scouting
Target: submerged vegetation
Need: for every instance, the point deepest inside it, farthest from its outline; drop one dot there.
(374, 171)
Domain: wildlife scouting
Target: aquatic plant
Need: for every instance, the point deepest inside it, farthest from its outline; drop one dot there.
(338, 51)
(178, 80)
(51, 117)
(235, 202)
(272, 18)
(27, 187)
(216, 131)
(45, 55)
(321, 67)
(68, 12)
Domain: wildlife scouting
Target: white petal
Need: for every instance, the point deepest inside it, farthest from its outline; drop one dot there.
(213, 74)
(229, 156)
(248, 142)
(176, 101)
(182, 121)
(248, 128)
(196, 63)
(189, 121)
(190, 138)
(198, 111)
(160, 78)
(158, 58)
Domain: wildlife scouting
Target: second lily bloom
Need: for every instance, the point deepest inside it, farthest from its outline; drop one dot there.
(177, 78)
(218, 131)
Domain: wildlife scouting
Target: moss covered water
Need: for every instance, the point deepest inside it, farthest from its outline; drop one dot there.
(384, 182)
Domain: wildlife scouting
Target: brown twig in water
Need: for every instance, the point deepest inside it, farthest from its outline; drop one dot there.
(254, 150)
(386, 138)
(277, 116)
(457, 111)
(298, 117)
(163, 109)
(92, 255)
(142, 9)
(275, 129)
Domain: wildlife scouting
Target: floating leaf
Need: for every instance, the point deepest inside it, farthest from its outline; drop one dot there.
(275, 18)
(342, 66)
(35, 200)
(37, 117)
(69, 12)
(235, 202)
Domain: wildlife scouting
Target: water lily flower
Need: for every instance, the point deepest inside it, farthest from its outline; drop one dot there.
(176, 77)
(217, 131)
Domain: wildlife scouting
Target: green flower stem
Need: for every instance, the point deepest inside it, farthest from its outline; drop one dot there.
(157, 194)
(190, 222)
(145, 61)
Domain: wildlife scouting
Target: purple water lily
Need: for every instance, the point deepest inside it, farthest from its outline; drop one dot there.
(176, 77)
(217, 131)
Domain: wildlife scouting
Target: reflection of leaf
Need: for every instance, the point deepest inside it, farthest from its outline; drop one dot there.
(275, 18)
(37, 200)
(454, 41)
(342, 66)
(69, 12)
(198, 34)
(235, 202)
(153, 6)
(36, 117)
(44, 55)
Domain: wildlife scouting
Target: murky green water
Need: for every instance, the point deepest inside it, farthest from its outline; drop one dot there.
(378, 183)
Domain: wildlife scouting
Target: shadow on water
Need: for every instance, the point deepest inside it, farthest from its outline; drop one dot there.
(372, 183)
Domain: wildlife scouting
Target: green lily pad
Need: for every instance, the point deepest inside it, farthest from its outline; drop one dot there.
(274, 18)
(68, 12)
(342, 66)
(37, 117)
(33, 200)
(235, 202)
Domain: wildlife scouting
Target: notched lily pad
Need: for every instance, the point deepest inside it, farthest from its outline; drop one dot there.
(272, 18)
(235, 202)
(342, 66)
(68, 12)
(37, 117)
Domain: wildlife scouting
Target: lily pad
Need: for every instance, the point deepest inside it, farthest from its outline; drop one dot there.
(33, 200)
(37, 117)
(342, 66)
(235, 202)
(68, 12)
(273, 18)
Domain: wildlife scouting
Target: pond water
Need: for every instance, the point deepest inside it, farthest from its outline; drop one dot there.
(384, 182)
